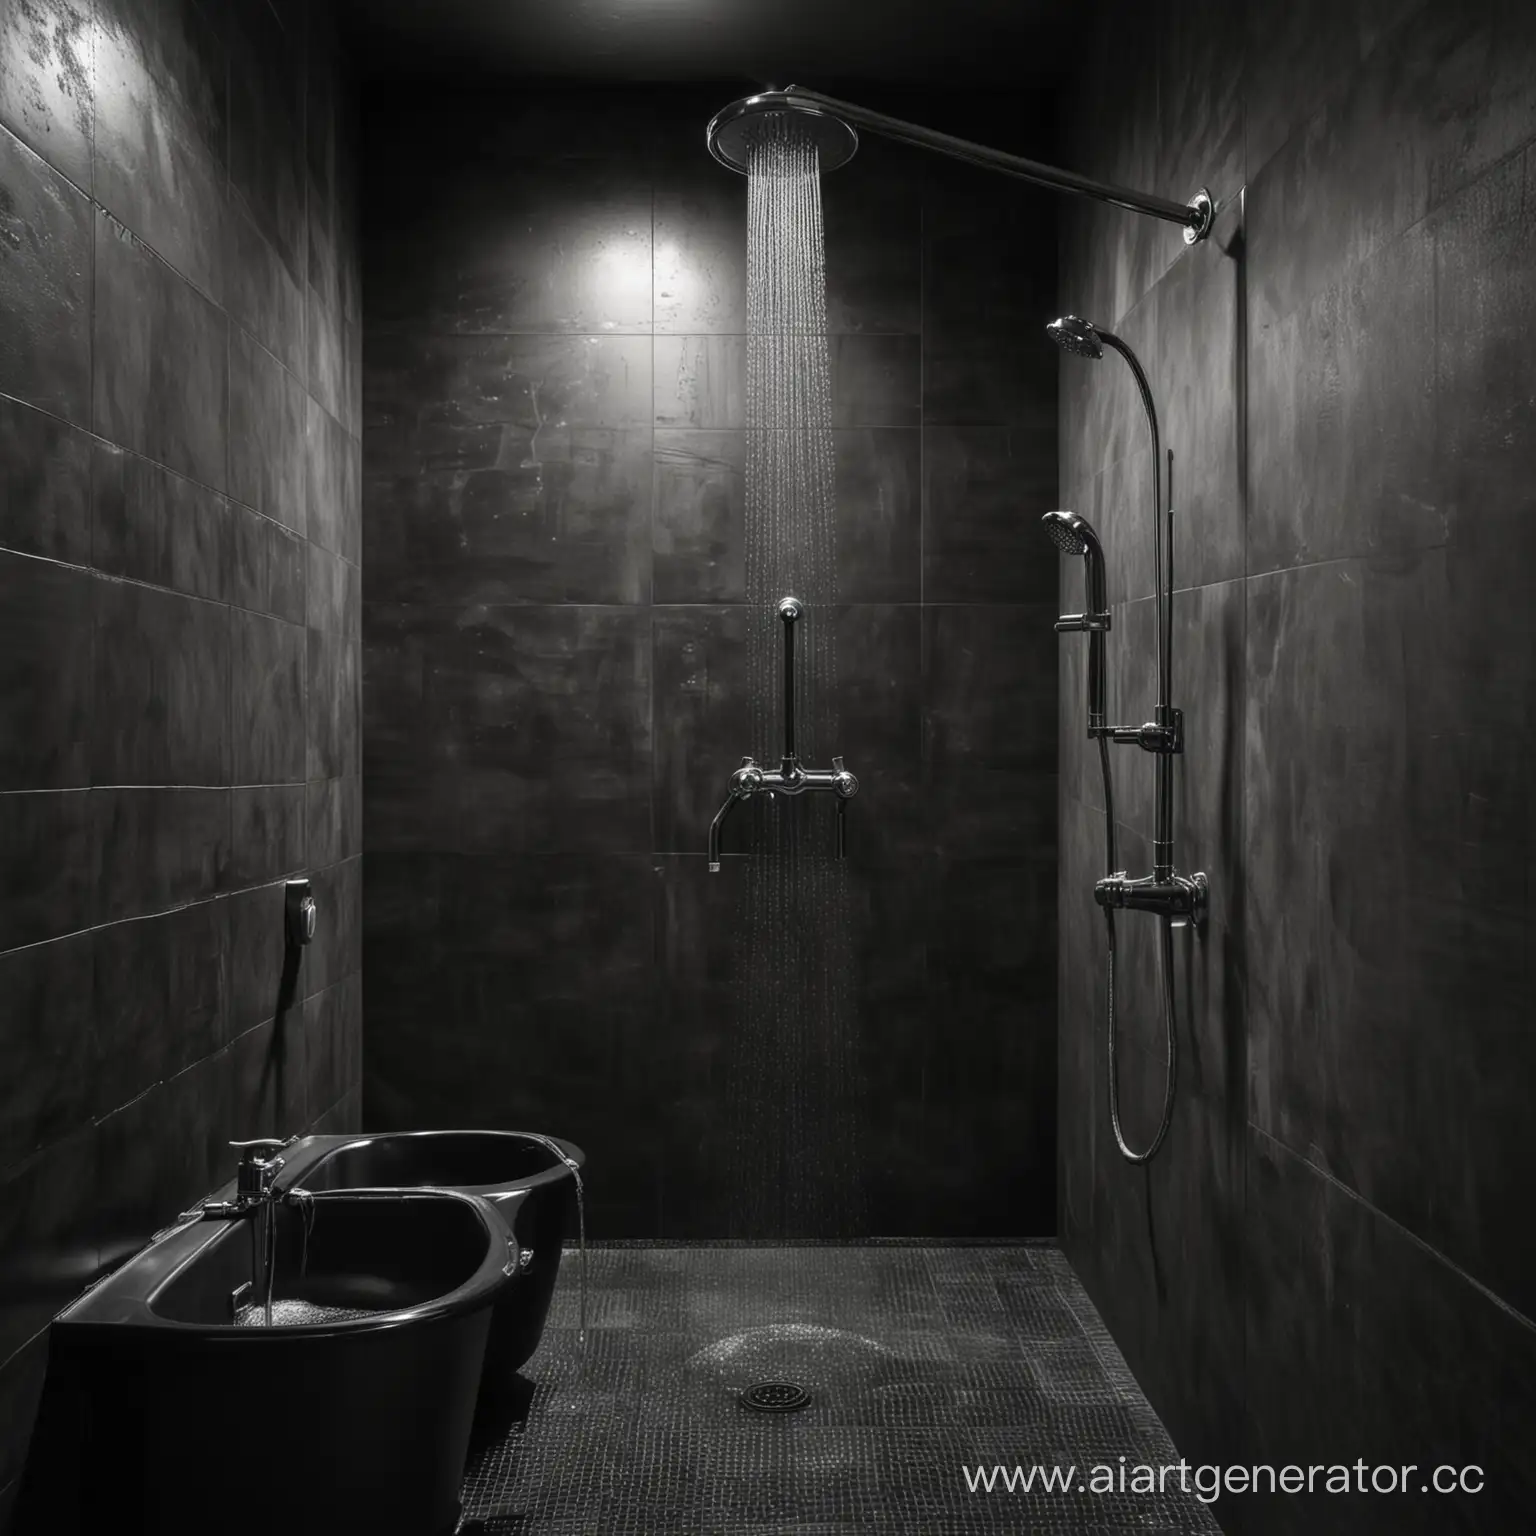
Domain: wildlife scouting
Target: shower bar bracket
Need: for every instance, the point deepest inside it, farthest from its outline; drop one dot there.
(791, 777)
(1165, 734)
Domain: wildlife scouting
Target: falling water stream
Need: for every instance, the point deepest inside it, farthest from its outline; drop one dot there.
(792, 1091)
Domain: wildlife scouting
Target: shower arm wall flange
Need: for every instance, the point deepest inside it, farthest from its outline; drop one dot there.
(791, 777)
(1195, 217)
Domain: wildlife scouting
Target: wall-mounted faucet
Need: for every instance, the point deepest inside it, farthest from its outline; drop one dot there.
(255, 1195)
(791, 777)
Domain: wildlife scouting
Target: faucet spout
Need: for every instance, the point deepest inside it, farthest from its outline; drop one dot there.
(717, 826)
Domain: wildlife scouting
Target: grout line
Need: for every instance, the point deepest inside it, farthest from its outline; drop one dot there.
(1418, 1242)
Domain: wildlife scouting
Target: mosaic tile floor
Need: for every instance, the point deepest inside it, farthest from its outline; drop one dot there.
(920, 1361)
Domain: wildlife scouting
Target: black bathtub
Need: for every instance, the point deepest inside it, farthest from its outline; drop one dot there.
(161, 1413)
(514, 1170)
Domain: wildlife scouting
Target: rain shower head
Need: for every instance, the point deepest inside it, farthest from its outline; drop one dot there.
(1076, 335)
(733, 130)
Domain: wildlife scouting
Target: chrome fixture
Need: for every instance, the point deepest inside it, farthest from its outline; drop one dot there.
(255, 1195)
(1178, 900)
(790, 777)
(834, 125)
(732, 130)
(1074, 535)
(300, 912)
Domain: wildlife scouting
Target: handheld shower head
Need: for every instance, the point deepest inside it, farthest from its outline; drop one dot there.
(1064, 529)
(1074, 535)
(1076, 336)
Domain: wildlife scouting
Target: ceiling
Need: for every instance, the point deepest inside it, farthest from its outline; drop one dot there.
(936, 43)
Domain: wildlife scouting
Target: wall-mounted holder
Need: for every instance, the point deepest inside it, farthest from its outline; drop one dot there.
(790, 777)
(300, 914)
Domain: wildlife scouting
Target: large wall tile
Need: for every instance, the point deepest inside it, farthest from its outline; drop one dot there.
(157, 848)
(986, 357)
(155, 526)
(266, 833)
(161, 359)
(874, 253)
(700, 381)
(45, 276)
(161, 704)
(878, 710)
(263, 968)
(1345, 672)
(333, 488)
(985, 490)
(334, 829)
(266, 125)
(1372, 162)
(48, 1034)
(47, 85)
(536, 775)
(1358, 1334)
(534, 252)
(333, 1044)
(260, 293)
(267, 424)
(989, 697)
(876, 380)
(267, 565)
(1354, 365)
(331, 702)
(702, 718)
(699, 501)
(47, 859)
(517, 469)
(160, 130)
(879, 514)
(45, 483)
(539, 1042)
(45, 674)
(268, 1079)
(266, 700)
(411, 785)
(989, 1099)
(700, 278)
(1299, 55)
(47, 1254)
(161, 998)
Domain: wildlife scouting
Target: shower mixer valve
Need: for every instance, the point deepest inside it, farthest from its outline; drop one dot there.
(791, 777)
(1180, 898)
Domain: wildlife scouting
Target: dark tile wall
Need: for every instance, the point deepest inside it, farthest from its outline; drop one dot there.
(555, 647)
(1331, 1258)
(179, 622)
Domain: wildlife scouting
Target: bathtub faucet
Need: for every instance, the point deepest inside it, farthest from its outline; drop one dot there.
(254, 1181)
(791, 777)
(255, 1195)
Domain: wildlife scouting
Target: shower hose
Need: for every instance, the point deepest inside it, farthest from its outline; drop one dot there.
(1165, 934)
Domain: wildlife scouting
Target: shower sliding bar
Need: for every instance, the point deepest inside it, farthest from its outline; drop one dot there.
(790, 777)
(729, 135)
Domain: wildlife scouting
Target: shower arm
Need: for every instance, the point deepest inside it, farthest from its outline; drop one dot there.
(791, 777)
(1195, 217)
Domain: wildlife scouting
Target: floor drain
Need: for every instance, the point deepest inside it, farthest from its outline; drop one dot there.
(775, 1397)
